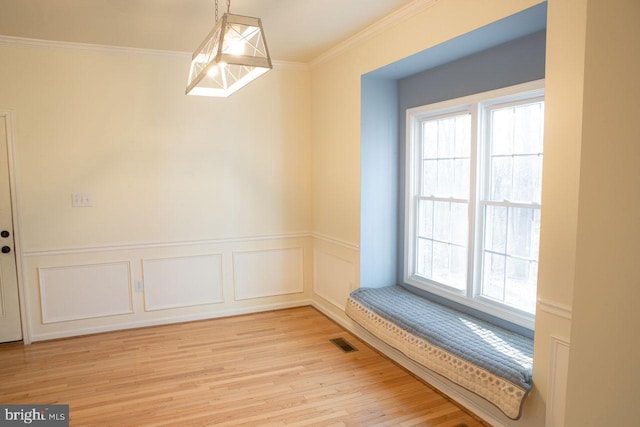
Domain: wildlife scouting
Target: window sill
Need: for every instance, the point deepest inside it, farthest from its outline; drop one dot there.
(477, 305)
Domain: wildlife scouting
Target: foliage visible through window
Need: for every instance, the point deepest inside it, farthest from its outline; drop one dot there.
(473, 199)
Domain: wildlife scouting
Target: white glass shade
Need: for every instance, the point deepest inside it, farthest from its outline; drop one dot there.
(232, 55)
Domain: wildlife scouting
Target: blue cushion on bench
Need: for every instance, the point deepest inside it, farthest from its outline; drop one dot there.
(497, 362)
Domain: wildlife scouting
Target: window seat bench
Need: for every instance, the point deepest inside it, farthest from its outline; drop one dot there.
(487, 360)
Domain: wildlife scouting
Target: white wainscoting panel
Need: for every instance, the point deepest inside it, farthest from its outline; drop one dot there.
(266, 273)
(333, 278)
(557, 383)
(85, 291)
(182, 281)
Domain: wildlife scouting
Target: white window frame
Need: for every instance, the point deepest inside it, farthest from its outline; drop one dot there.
(476, 105)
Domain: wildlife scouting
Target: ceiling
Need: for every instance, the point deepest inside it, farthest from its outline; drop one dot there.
(296, 30)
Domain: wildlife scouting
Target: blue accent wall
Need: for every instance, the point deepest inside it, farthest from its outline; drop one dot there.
(379, 182)
(504, 53)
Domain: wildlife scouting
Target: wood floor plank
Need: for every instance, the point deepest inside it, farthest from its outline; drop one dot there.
(267, 369)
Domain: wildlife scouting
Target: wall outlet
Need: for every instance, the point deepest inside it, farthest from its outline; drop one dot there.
(139, 285)
(81, 200)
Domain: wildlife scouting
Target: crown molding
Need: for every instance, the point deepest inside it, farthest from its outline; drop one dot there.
(85, 47)
(300, 66)
(371, 31)
(23, 42)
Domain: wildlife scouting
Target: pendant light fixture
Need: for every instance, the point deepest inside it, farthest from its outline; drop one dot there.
(232, 55)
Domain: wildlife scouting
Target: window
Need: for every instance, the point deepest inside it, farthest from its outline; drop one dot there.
(474, 178)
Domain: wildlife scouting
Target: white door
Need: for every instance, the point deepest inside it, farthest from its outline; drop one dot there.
(10, 327)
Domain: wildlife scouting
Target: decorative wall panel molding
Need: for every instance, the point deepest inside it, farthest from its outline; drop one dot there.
(336, 241)
(85, 291)
(266, 273)
(333, 278)
(557, 383)
(182, 281)
(159, 245)
(555, 308)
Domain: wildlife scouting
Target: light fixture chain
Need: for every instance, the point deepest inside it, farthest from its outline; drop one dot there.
(228, 6)
(216, 2)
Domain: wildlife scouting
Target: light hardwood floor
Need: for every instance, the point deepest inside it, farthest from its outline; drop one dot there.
(266, 369)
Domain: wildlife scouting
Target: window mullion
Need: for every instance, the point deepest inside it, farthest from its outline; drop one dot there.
(481, 175)
(473, 190)
(506, 256)
(509, 204)
(418, 184)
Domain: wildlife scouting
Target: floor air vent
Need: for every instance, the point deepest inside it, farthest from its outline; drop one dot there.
(343, 345)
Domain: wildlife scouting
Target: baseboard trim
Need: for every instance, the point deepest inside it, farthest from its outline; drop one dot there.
(168, 320)
(463, 398)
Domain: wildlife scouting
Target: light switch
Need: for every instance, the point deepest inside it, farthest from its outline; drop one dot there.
(81, 200)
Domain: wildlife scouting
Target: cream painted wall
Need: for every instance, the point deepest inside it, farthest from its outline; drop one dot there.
(604, 374)
(161, 166)
(172, 177)
(564, 82)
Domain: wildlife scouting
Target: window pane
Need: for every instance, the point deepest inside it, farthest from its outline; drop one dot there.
(449, 265)
(424, 257)
(521, 229)
(515, 152)
(501, 178)
(463, 138)
(535, 236)
(446, 146)
(446, 137)
(493, 276)
(440, 261)
(511, 242)
(458, 267)
(443, 233)
(430, 178)
(527, 179)
(520, 284)
(461, 179)
(425, 218)
(430, 139)
(528, 128)
(460, 224)
(495, 238)
(445, 178)
(502, 132)
(442, 221)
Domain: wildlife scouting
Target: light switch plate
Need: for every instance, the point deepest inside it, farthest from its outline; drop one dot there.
(81, 200)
